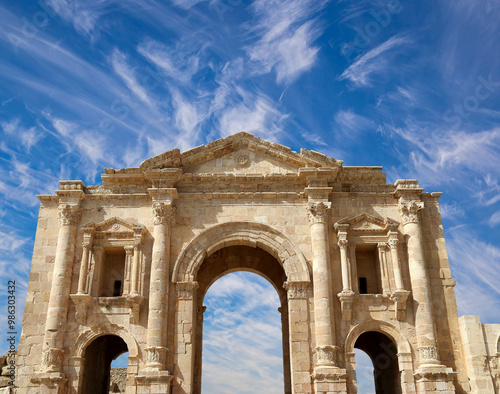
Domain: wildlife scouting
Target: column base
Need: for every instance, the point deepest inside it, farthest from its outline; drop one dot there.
(435, 378)
(151, 382)
(329, 380)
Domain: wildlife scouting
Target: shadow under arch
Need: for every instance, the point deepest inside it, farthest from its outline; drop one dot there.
(384, 335)
(254, 234)
(102, 331)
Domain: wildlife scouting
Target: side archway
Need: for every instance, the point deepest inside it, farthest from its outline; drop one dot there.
(383, 341)
(114, 339)
(257, 235)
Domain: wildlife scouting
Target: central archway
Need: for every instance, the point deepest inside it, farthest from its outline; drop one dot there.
(236, 246)
(236, 259)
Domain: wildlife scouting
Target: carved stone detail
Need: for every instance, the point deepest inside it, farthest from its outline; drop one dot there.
(52, 360)
(163, 213)
(409, 210)
(343, 244)
(185, 290)
(326, 355)
(69, 215)
(155, 357)
(318, 212)
(296, 289)
(427, 354)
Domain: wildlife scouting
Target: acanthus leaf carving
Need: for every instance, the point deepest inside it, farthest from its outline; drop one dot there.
(318, 211)
(163, 213)
(69, 215)
(409, 210)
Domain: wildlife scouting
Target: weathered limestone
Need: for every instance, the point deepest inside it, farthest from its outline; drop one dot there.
(356, 262)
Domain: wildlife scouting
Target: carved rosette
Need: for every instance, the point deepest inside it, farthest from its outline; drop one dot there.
(69, 215)
(296, 290)
(52, 360)
(326, 355)
(185, 290)
(408, 210)
(155, 356)
(163, 213)
(317, 212)
(428, 354)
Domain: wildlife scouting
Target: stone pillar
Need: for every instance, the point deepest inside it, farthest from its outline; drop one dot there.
(420, 283)
(299, 334)
(353, 266)
(69, 216)
(384, 274)
(346, 279)
(431, 374)
(185, 336)
(396, 264)
(158, 304)
(134, 285)
(129, 257)
(328, 378)
(84, 264)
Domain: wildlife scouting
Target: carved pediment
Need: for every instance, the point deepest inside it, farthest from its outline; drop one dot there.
(239, 153)
(117, 225)
(367, 222)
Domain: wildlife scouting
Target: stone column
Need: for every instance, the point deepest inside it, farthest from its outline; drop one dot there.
(420, 283)
(384, 275)
(69, 216)
(396, 265)
(354, 268)
(129, 257)
(346, 279)
(325, 342)
(134, 286)
(84, 265)
(156, 340)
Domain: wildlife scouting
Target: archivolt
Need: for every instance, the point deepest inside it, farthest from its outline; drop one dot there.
(94, 332)
(240, 233)
(379, 326)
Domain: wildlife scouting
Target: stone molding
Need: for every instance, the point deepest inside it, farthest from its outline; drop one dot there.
(185, 290)
(296, 290)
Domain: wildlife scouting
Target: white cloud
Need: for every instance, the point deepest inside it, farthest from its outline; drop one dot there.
(495, 219)
(287, 31)
(372, 62)
(351, 124)
(126, 73)
(475, 265)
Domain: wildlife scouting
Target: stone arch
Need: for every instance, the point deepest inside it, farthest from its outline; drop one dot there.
(379, 326)
(89, 335)
(241, 233)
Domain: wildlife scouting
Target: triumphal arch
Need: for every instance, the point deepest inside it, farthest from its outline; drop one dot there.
(357, 263)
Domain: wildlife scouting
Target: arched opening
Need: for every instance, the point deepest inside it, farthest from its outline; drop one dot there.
(252, 260)
(384, 356)
(98, 357)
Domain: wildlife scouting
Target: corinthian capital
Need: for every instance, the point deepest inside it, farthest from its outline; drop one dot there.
(318, 212)
(408, 210)
(163, 213)
(69, 215)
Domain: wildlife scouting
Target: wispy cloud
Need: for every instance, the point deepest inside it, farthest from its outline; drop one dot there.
(351, 124)
(287, 32)
(373, 62)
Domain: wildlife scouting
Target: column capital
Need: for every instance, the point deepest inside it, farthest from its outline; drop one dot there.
(343, 244)
(185, 290)
(317, 212)
(326, 355)
(393, 243)
(163, 213)
(408, 210)
(69, 215)
(381, 245)
(296, 289)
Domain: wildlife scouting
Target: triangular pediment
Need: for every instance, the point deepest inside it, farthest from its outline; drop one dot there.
(239, 153)
(118, 225)
(367, 222)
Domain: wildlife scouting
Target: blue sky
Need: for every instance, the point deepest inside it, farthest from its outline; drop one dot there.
(412, 86)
